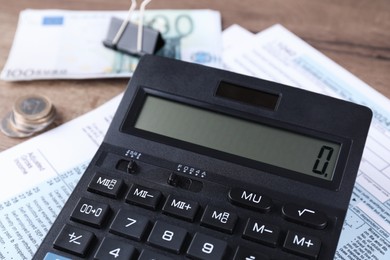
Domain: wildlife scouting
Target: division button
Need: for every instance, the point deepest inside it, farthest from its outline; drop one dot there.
(143, 196)
(243, 253)
(219, 219)
(74, 240)
(305, 216)
(90, 212)
(129, 224)
(167, 236)
(302, 244)
(114, 249)
(105, 185)
(181, 208)
(250, 200)
(206, 247)
(259, 231)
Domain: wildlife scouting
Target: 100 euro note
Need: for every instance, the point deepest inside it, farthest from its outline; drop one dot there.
(61, 44)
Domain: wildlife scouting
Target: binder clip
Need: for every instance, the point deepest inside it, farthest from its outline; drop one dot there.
(132, 39)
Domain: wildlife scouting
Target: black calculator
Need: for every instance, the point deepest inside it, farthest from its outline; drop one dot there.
(201, 163)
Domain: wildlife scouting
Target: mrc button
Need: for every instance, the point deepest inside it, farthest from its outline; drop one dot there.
(305, 216)
(249, 199)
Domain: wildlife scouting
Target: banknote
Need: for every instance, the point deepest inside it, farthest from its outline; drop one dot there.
(62, 44)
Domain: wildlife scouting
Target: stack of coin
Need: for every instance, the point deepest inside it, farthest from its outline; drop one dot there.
(30, 114)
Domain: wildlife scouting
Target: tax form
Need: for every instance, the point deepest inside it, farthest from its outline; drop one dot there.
(278, 55)
(39, 175)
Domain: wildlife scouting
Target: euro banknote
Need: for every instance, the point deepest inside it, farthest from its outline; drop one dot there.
(62, 44)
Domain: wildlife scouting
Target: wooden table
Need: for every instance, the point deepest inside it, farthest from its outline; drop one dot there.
(354, 33)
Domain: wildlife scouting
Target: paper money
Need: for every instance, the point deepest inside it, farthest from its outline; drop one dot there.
(60, 44)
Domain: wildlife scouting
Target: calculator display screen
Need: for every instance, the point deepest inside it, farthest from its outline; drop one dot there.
(274, 146)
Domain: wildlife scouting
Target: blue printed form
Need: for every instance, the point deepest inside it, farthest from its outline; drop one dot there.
(53, 20)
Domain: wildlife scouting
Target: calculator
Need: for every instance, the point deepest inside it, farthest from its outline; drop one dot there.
(202, 163)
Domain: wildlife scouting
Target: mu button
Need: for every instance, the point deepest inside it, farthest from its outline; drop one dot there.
(305, 216)
(250, 200)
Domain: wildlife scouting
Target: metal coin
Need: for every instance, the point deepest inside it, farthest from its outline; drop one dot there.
(32, 107)
(8, 129)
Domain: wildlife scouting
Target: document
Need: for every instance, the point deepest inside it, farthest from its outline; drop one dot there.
(61, 44)
(278, 55)
(39, 175)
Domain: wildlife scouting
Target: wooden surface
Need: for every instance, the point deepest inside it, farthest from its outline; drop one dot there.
(354, 33)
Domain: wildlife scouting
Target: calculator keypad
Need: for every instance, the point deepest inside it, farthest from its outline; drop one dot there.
(141, 220)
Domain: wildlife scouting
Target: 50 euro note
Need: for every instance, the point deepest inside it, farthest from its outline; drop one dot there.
(61, 44)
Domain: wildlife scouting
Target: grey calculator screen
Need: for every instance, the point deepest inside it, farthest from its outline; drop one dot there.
(270, 145)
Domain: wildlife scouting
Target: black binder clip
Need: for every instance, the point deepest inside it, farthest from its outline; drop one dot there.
(133, 39)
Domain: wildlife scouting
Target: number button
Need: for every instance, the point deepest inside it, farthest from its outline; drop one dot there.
(128, 224)
(206, 247)
(90, 212)
(114, 249)
(151, 255)
(167, 236)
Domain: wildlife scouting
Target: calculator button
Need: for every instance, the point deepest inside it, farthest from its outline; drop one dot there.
(219, 219)
(115, 250)
(105, 185)
(249, 199)
(51, 256)
(150, 255)
(129, 224)
(90, 212)
(261, 232)
(206, 247)
(302, 244)
(167, 236)
(304, 216)
(243, 253)
(143, 196)
(74, 240)
(181, 208)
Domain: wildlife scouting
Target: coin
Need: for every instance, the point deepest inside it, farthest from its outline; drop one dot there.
(8, 129)
(30, 114)
(32, 107)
